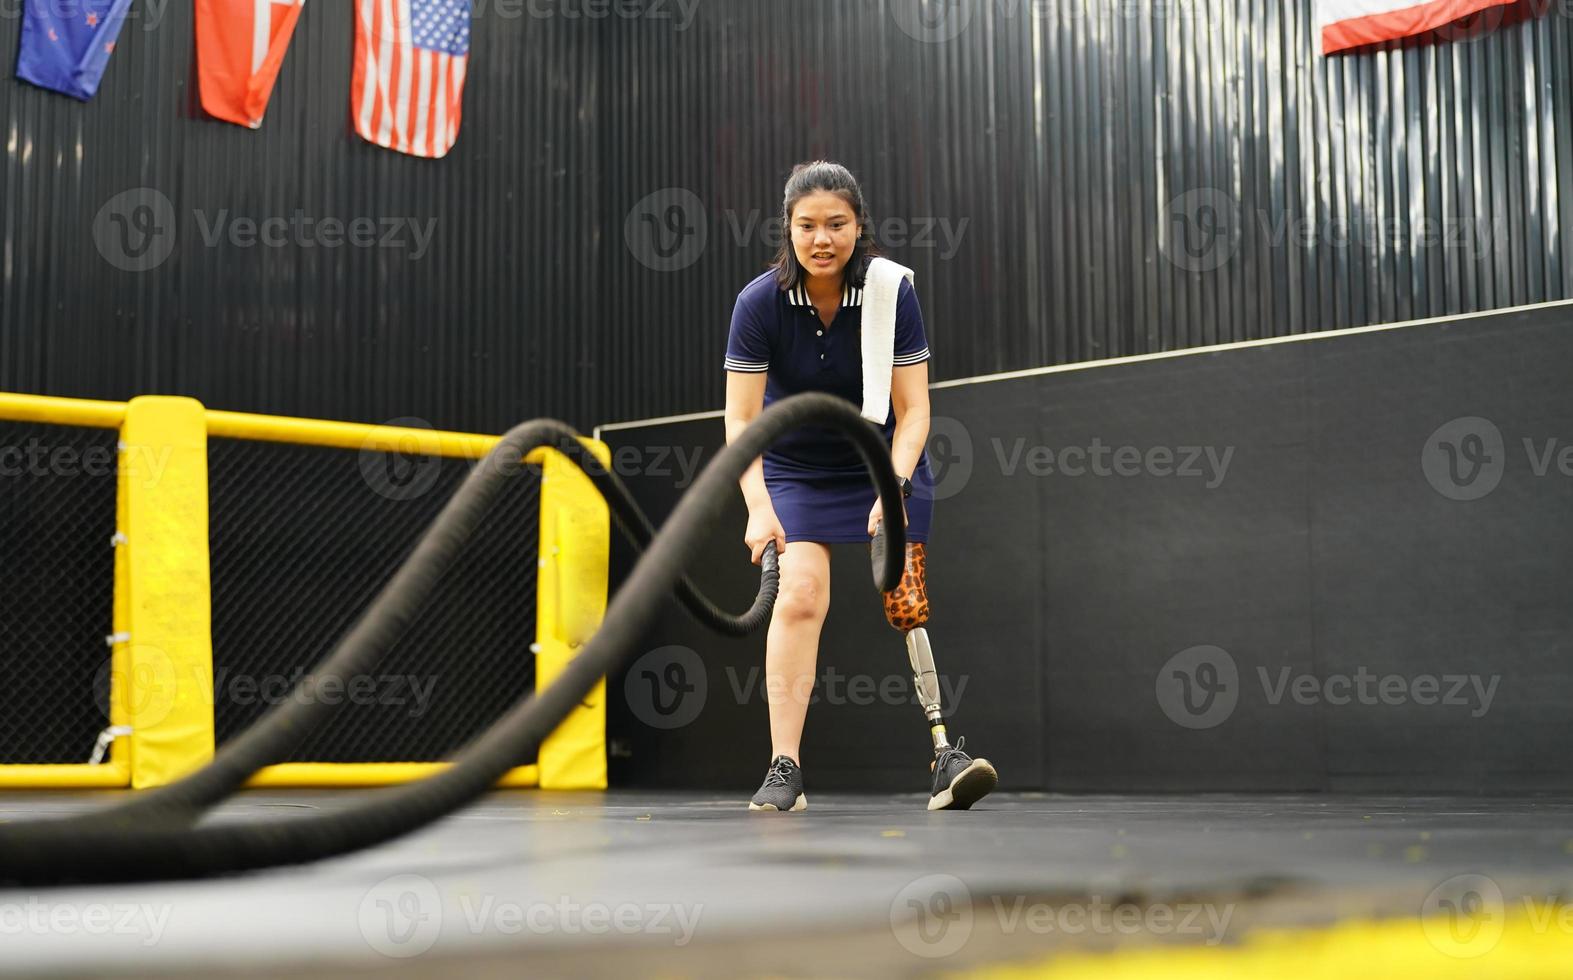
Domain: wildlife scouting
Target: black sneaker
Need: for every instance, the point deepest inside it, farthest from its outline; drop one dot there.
(960, 780)
(783, 788)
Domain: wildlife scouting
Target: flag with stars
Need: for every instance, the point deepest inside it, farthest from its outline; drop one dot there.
(66, 46)
(408, 86)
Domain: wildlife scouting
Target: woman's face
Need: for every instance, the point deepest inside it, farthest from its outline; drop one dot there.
(824, 232)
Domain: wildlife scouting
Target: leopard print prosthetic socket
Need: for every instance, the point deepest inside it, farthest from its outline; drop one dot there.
(907, 606)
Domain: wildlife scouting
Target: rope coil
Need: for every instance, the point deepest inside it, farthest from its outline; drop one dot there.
(154, 837)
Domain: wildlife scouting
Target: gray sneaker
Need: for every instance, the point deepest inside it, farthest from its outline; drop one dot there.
(783, 788)
(960, 780)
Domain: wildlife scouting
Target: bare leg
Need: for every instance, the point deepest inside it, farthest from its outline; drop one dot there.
(792, 645)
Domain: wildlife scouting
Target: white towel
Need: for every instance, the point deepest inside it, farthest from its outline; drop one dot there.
(880, 287)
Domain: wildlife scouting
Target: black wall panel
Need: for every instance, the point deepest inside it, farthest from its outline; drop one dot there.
(1340, 563)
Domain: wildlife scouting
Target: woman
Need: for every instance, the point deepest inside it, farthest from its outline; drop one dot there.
(796, 328)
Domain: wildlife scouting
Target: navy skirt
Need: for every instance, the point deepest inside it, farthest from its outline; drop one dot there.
(831, 507)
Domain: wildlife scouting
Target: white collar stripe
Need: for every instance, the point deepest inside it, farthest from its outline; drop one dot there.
(850, 296)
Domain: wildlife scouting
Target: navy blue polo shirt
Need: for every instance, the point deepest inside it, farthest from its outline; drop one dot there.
(779, 333)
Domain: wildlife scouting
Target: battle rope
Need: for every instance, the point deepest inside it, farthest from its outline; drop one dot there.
(151, 837)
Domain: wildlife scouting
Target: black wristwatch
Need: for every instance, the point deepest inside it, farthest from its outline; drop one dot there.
(906, 488)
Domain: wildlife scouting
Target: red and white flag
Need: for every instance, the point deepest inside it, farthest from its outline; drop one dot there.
(1352, 23)
(410, 59)
(240, 46)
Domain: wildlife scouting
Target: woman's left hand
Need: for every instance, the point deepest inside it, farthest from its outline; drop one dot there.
(877, 514)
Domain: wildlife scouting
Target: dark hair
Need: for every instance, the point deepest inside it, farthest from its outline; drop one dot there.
(823, 175)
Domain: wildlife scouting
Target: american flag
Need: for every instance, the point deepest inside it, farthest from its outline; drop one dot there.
(410, 57)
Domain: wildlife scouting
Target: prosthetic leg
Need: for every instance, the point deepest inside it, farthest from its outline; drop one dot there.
(959, 780)
(926, 679)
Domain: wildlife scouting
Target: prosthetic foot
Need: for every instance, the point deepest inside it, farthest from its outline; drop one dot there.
(959, 779)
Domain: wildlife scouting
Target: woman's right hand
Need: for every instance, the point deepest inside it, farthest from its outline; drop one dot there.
(763, 528)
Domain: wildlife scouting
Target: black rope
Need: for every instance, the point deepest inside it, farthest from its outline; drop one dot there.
(151, 837)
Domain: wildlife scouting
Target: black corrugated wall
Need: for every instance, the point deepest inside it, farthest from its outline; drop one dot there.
(1070, 180)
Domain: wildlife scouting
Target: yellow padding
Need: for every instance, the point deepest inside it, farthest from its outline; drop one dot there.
(369, 774)
(571, 600)
(107, 776)
(1535, 943)
(61, 411)
(168, 655)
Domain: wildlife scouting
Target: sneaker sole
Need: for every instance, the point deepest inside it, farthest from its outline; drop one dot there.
(971, 785)
(801, 804)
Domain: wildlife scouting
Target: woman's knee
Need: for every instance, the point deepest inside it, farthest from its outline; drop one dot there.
(803, 598)
(805, 582)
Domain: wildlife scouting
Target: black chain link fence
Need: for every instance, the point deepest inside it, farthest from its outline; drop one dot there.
(57, 590)
(303, 537)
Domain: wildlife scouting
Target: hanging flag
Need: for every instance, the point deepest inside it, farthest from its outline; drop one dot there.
(1352, 23)
(66, 46)
(408, 87)
(240, 46)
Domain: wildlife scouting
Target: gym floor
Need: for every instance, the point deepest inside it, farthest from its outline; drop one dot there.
(633, 883)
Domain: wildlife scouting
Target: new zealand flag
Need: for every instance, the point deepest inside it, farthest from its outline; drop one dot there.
(66, 43)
